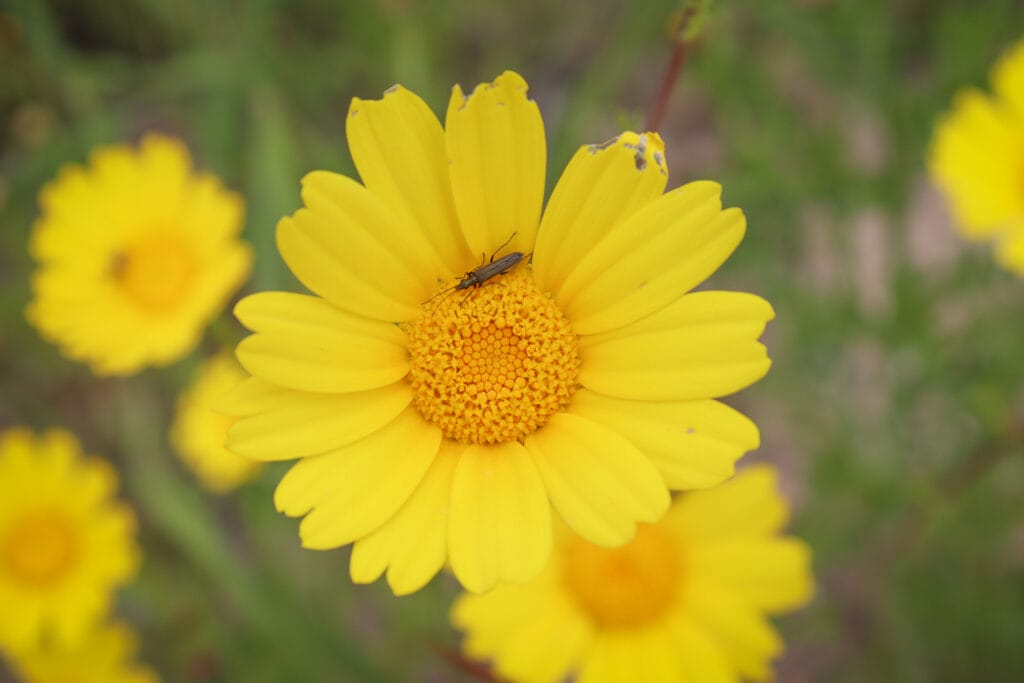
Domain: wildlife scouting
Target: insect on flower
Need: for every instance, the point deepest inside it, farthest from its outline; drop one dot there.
(485, 271)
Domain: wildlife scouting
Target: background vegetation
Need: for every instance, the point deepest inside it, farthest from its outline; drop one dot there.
(896, 403)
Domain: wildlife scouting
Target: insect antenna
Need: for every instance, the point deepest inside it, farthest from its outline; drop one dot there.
(506, 243)
(447, 291)
(437, 294)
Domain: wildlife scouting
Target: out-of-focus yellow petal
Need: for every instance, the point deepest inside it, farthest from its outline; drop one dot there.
(772, 574)
(1008, 78)
(105, 654)
(700, 657)
(750, 504)
(743, 633)
(977, 160)
(1010, 248)
(546, 653)
(633, 655)
(199, 430)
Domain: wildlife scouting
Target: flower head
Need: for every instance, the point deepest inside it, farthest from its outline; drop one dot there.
(65, 542)
(977, 160)
(199, 430)
(136, 253)
(466, 361)
(104, 656)
(685, 601)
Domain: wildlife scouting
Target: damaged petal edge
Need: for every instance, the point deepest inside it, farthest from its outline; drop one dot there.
(601, 146)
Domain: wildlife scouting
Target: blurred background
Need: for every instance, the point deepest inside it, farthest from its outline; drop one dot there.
(895, 406)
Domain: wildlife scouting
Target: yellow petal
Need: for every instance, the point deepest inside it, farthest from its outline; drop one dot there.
(702, 346)
(389, 461)
(649, 654)
(355, 489)
(1010, 249)
(772, 574)
(610, 660)
(652, 258)
(305, 343)
(745, 636)
(975, 159)
(211, 212)
(602, 185)
(533, 633)
(413, 545)
(399, 150)
(749, 505)
(500, 526)
(1008, 78)
(694, 444)
(700, 657)
(598, 482)
(251, 395)
(301, 423)
(498, 157)
(351, 249)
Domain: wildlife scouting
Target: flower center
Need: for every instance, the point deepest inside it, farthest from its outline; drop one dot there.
(39, 548)
(492, 364)
(627, 586)
(155, 271)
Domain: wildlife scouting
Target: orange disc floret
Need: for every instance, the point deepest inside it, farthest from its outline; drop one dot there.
(493, 364)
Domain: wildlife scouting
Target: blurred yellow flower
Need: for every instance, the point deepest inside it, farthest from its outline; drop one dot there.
(684, 602)
(136, 253)
(199, 431)
(438, 422)
(977, 160)
(65, 542)
(105, 656)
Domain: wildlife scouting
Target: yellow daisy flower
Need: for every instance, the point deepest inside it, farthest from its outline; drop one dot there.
(199, 431)
(105, 656)
(65, 542)
(438, 421)
(685, 601)
(136, 253)
(977, 160)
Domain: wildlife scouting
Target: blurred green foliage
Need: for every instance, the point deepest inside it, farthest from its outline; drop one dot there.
(895, 403)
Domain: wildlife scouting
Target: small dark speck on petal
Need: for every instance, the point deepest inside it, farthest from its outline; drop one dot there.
(597, 147)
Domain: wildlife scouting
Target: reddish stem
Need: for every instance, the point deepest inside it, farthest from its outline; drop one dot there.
(668, 83)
